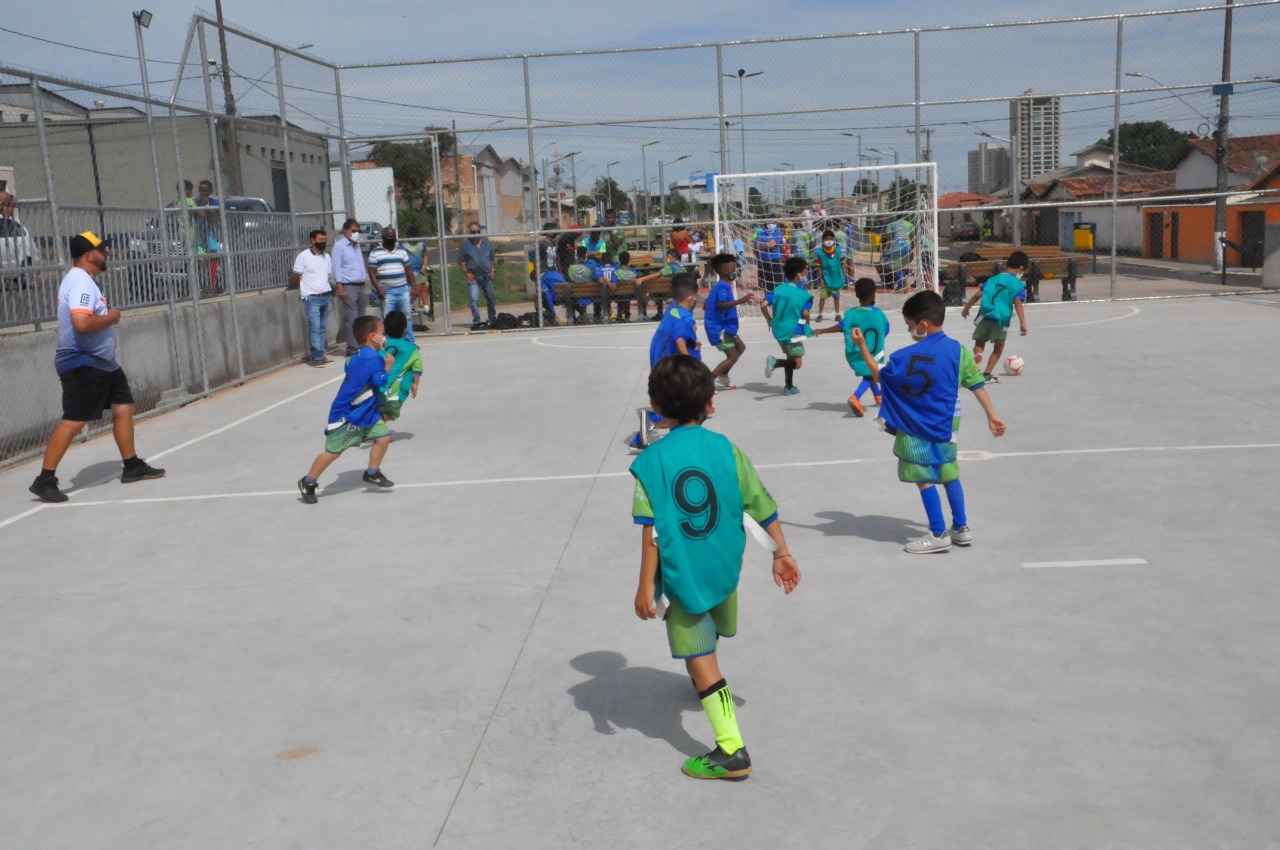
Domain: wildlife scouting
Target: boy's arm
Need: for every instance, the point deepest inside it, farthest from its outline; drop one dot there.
(373, 279)
(681, 345)
(786, 571)
(994, 422)
(760, 506)
(648, 575)
(872, 366)
(964, 314)
(1022, 317)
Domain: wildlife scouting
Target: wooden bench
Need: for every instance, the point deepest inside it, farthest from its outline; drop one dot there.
(600, 294)
(1067, 269)
(958, 277)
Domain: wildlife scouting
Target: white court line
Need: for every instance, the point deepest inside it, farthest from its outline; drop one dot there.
(1133, 312)
(11, 520)
(1104, 562)
(589, 476)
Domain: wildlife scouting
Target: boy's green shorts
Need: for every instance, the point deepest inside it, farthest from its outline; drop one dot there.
(922, 461)
(830, 293)
(990, 330)
(346, 436)
(694, 635)
(390, 408)
(792, 349)
(727, 342)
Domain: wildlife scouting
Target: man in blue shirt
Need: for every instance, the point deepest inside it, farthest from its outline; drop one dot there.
(768, 244)
(350, 275)
(354, 416)
(477, 259)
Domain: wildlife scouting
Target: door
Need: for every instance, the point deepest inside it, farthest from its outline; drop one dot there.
(280, 189)
(1173, 236)
(1252, 226)
(1155, 235)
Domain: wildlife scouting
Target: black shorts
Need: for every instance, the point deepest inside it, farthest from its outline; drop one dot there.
(770, 274)
(87, 392)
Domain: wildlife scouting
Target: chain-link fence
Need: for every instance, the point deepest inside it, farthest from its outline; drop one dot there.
(1134, 155)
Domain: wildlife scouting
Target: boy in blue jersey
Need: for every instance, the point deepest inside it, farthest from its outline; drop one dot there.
(720, 317)
(873, 324)
(606, 274)
(405, 371)
(833, 267)
(1001, 295)
(921, 409)
(354, 415)
(788, 320)
(691, 492)
(677, 333)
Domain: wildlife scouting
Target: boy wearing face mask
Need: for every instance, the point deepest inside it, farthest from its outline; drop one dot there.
(833, 264)
(1002, 295)
(921, 409)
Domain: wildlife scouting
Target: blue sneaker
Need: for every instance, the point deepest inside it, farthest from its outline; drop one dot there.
(770, 363)
(791, 391)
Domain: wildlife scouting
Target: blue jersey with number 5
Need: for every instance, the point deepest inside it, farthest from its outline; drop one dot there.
(921, 387)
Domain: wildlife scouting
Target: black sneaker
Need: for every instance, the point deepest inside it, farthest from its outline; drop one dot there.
(308, 491)
(478, 326)
(717, 765)
(46, 490)
(141, 472)
(378, 478)
(990, 379)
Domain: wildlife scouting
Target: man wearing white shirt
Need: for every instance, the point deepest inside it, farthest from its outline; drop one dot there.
(312, 271)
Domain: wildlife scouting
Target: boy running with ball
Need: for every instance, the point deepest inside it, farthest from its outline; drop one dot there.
(692, 489)
(921, 409)
(1002, 295)
(873, 324)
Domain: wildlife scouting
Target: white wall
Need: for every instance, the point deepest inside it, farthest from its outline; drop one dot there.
(1128, 226)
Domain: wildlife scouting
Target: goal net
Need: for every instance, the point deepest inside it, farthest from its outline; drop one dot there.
(882, 220)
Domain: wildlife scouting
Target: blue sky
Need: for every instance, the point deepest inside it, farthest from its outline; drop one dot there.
(867, 72)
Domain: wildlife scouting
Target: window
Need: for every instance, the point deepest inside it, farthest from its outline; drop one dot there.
(248, 150)
(264, 153)
(291, 156)
(25, 118)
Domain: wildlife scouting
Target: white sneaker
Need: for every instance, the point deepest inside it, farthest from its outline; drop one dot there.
(929, 544)
(961, 536)
(723, 381)
(770, 363)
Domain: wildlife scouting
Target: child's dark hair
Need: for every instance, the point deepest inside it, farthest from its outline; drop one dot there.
(395, 324)
(672, 252)
(720, 259)
(625, 258)
(925, 307)
(794, 267)
(1018, 260)
(682, 286)
(865, 289)
(681, 386)
(827, 233)
(581, 252)
(364, 327)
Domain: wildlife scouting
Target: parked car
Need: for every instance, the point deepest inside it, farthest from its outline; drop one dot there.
(371, 231)
(966, 231)
(17, 251)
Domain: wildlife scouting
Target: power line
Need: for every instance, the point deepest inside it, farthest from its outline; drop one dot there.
(86, 49)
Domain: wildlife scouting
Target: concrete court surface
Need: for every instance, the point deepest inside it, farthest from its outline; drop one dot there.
(206, 662)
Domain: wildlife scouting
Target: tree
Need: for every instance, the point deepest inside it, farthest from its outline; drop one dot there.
(865, 186)
(606, 188)
(411, 167)
(1149, 143)
(677, 204)
(799, 198)
(755, 203)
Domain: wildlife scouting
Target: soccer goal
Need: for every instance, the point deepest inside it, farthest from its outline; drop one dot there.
(883, 221)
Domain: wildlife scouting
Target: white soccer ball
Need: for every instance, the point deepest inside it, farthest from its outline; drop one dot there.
(1014, 364)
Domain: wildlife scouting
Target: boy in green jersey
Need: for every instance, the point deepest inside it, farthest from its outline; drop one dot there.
(692, 489)
(406, 369)
(833, 264)
(786, 309)
(1001, 296)
(873, 324)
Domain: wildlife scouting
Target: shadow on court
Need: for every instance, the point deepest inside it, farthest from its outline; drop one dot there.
(350, 479)
(884, 529)
(646, 700)
(832, 406)
(95, 472)
(763, 391)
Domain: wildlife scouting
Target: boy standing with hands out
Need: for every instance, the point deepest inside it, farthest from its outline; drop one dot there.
(692, 489)
(921, 409)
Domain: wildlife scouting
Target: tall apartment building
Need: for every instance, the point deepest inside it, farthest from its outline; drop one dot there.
(1036, 120)
(988, 169)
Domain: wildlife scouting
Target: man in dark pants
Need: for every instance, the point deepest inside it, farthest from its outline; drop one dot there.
(350, 275)
(478, 262)
(92, 380)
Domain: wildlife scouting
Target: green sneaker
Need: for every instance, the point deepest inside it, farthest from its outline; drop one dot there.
(791, 390)
(770, 363)
(717, 765)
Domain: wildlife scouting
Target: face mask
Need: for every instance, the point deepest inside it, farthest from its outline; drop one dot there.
(354, 237)
(917, 336)
(828, 243)
(320, 246)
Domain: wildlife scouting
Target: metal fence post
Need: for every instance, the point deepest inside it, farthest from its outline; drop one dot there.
(193, 281)
(1115, 151)
(916, 135)
(721, 120)
(344, 153)
(443, 246)
(532, 203)
(284, 141)
(228, 253)
(59, 243)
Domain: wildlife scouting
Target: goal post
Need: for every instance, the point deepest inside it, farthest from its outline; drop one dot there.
(883, 221)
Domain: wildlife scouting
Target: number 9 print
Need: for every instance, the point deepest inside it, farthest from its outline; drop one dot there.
(695, 496)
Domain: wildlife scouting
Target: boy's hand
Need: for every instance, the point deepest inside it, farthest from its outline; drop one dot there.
(856, 336)
(996, 425)
(964, 314)
(413, 393)
(1022, 331)
(644, 603)
(786, 572)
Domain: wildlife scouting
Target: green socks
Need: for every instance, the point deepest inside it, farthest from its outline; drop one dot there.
(718, 703)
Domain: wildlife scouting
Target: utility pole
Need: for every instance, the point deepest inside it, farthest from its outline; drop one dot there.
(229, 104)
(928, 141)
(1220, 154)
(839, 165)
(457, 179)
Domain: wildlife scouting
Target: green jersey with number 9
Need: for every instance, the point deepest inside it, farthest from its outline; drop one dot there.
(693, 487)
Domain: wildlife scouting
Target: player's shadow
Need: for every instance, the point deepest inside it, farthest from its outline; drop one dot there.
(763, 391)
(96, 472)
(832, 406)
(883, 529)
(649, 701)
(401, 436)
(350, 480)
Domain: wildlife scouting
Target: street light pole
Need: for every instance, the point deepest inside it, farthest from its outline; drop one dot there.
(742, 124)
(608, 184)
(644, 175)
(1220, 154)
